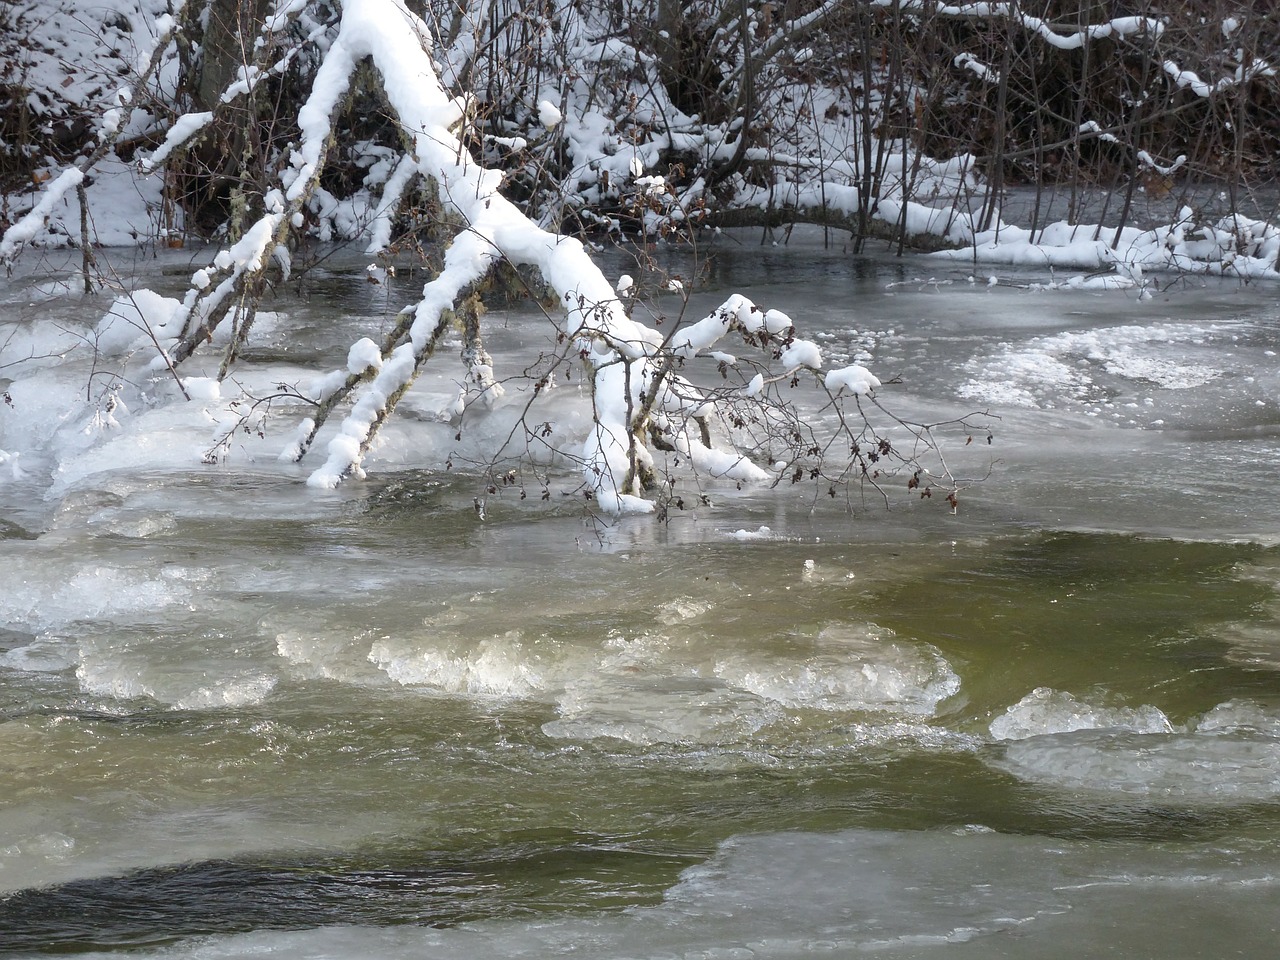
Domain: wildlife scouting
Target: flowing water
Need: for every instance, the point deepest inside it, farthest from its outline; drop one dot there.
(241, 718)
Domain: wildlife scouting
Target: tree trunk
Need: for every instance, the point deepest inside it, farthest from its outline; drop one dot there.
(214, 189)
(666, 45)
(227, 45)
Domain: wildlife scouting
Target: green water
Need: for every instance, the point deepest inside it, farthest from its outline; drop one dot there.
(359, 802)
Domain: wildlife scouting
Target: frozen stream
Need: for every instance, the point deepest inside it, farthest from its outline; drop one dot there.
(241, 718)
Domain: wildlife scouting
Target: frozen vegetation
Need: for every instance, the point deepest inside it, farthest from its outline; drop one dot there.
(488, 141)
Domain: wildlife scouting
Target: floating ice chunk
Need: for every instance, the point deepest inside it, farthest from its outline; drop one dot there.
(1045, 710)
(1236, 716)
(160, 660)
(123, 673)
(679, 609)
(496, 667)
(858, 670)
(42, 594)
(320, 653)
(233, 691)
(42, 655)
(1232, 754)
(1189, 767)
(653, 710)
(762, 533)
(1049, 371)
(1169, 374)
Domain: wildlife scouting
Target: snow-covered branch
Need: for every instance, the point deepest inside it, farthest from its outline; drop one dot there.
(1190, 80)
(1062, 38)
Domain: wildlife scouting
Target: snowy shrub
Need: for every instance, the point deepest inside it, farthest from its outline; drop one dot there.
(424, 185)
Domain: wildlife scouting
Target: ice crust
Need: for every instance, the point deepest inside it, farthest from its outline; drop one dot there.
(654, 688)
(1230, 754)
(968, 893)
(1077, 367)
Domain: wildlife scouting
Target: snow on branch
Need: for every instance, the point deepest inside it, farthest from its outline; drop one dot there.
(1148, 161)
(179, 134)
(29, 226)
(392, 37)
(1190, 80)
(203, 308)
(967, 61)
(402, 177)
(1117, 27)
(630, 366)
